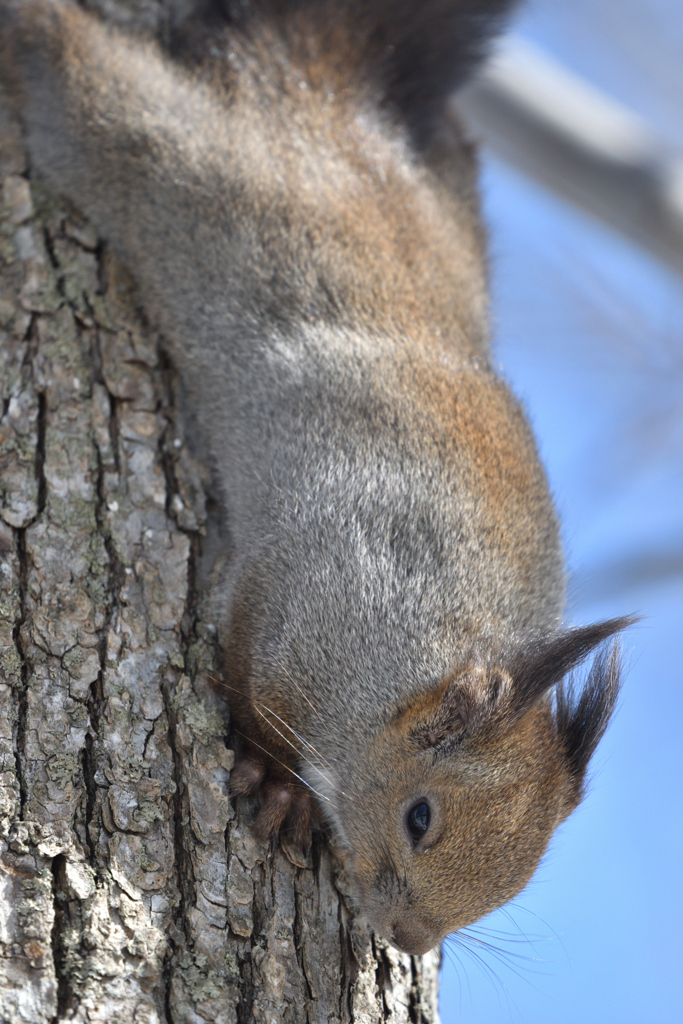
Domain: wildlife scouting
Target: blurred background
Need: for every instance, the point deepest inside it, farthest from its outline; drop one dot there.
(589, 328)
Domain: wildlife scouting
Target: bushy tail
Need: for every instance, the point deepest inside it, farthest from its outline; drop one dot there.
(415, 51)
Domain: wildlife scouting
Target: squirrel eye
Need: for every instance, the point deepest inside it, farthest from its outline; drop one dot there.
(418, 820)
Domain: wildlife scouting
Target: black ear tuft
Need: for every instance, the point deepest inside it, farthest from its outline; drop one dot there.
(545, 661)
(582, 716)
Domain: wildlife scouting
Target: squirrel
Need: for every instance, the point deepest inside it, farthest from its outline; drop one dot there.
(299, 207)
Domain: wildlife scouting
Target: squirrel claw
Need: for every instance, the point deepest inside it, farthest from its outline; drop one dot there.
(277, 800)
(298, 820)
(284, 806)
(246, 777)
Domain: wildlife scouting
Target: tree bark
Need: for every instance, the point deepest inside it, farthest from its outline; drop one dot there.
(131, 889)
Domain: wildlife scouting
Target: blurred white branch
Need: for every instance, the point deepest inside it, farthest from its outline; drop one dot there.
(570, 137)
(635, 572)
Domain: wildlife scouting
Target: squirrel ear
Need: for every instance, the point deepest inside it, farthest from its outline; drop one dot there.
(581, 713)
(581, 717)
(502, 695)
(545, 661)
(459, 705)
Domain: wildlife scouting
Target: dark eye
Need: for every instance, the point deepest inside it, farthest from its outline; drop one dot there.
(418, 820)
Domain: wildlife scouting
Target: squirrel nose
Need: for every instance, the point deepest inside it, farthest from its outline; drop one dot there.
(411, 940)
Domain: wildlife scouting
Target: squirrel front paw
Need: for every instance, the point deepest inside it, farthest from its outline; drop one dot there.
(287, 808)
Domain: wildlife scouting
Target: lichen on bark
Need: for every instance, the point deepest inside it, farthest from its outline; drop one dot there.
(130, 888)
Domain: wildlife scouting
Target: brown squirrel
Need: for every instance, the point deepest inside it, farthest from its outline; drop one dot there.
(301, 214)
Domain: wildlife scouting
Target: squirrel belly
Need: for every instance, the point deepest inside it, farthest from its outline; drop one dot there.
(300, 211)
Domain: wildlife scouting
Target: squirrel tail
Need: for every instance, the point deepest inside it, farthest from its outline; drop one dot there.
(415, 52)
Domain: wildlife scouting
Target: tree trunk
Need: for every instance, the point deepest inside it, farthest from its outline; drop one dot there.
(131, 889)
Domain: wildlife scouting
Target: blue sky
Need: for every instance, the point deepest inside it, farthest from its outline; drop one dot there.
(590, 334)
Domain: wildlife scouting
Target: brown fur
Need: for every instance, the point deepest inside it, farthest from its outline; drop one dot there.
(300, 211)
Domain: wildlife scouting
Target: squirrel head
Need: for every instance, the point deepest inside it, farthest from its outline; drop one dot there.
(460, 793)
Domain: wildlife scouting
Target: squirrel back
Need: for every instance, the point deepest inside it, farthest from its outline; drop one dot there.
(301, 214)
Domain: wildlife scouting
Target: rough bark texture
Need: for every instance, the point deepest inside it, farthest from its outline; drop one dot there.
(130, 889)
